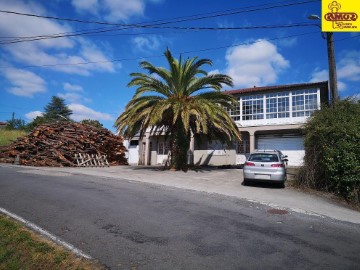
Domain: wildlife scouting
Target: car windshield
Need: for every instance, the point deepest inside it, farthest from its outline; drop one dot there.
(263, 157)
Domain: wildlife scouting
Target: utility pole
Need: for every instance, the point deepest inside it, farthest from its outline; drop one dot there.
(332, 68)
(334, 95)
(13, 120)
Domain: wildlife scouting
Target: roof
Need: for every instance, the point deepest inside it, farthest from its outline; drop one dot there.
(278, 87)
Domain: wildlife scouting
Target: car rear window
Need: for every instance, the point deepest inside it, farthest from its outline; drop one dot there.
(264, 157)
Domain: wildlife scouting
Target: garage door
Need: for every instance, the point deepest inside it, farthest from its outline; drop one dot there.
(290, 144)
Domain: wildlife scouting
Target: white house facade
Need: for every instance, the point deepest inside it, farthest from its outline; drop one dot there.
(268, 117)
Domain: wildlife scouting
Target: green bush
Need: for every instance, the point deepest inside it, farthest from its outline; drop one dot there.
(332, 151)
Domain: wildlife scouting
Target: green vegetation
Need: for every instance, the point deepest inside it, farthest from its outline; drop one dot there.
(90, 122)
(22, 249)
(55, 111)
(7, 136)
(16, 123)
(181, 100)
(332, 151)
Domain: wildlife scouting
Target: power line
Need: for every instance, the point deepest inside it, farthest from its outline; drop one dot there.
(247, 43)
(174, 20)
(26, 39)
(356, 36)
(154, 24)
(158, 56)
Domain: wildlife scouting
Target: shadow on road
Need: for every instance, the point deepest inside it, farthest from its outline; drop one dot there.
(263, 185)
(191, 168)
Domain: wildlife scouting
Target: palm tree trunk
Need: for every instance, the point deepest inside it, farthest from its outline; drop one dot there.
(179, 147)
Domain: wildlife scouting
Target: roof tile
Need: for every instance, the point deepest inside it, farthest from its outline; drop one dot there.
(277, 87)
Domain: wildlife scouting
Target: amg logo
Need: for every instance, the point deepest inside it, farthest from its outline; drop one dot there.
(341, 16)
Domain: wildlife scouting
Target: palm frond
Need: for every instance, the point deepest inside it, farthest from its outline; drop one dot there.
(164, 97)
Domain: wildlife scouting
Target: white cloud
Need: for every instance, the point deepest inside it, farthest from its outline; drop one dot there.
(215, 71)
(81, 112)
(73, 97)
(72, 87)
(91, 53)
(255, 64)
(341, 86)
(32, 115)
(22, 26)
(122, 10)
(74, 93)
(113, 10)
(90, 6)
(24, 83)
(355, 97)
(33, 54)
(348, 70)
(319, 75)
(59, 54)
(288, 42)
(146, 43)
(349, 66)
(323, 75)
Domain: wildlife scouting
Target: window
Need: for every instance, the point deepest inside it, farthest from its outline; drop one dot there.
(134, 142)
(163, 148)
(253, 107)
(277, 105)
(235, 112)
(243, 147)
(284, 104)
(264, 158)
(304, 102)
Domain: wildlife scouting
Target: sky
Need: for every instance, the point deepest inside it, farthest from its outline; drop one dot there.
(84, 50)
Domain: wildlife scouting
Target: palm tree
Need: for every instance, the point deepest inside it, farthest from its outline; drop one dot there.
(178, 101)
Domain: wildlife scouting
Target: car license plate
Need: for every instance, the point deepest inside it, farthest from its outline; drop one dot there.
(263, 176)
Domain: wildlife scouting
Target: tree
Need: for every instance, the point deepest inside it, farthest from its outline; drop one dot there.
(56, 110)
(90, 122)
(15, 123)
(332, 150)
(178, 101)
(38, 121)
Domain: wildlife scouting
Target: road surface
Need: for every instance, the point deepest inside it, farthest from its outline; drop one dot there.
(131, 225)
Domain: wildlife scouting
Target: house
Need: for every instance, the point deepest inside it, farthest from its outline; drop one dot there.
(269, 117)
(3, 125)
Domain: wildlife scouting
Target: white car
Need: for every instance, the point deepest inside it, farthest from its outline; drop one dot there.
(265, 166)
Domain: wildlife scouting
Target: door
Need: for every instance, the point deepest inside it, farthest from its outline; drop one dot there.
(289, 144)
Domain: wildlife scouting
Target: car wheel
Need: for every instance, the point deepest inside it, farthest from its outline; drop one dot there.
(245, 182)
(282, 184)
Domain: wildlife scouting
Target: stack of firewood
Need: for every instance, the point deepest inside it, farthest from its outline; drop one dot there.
(57, 145)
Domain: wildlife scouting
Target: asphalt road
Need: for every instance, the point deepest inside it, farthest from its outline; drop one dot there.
(129, 225)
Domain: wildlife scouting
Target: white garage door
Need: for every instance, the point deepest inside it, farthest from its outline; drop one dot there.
(291, 145)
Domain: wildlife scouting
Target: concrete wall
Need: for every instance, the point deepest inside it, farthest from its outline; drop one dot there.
(210, 157)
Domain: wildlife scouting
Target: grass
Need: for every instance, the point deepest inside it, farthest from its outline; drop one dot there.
(7, 136)
(21, 248)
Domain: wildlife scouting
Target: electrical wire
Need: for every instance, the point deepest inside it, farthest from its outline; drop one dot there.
(35, 38)
(158, 56)
(155, 24)
(174, 20)
(356, 36)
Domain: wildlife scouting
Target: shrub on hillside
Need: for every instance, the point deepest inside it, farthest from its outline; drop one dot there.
(332, 151)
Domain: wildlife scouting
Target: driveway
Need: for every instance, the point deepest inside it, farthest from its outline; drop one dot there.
(218, 181)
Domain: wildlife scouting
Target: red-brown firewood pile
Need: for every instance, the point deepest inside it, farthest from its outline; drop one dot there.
(56, 144)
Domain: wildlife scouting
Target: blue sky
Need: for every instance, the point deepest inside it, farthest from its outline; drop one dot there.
(91, 72)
